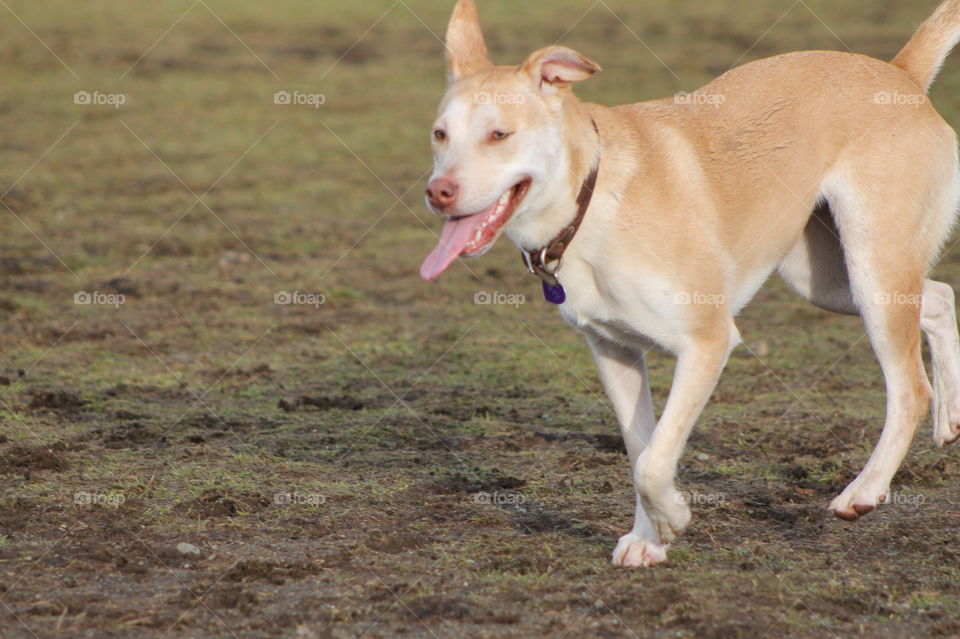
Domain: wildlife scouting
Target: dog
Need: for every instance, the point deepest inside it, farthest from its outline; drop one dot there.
(653, 224)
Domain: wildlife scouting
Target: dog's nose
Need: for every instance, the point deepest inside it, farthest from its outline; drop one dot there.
(442, 192)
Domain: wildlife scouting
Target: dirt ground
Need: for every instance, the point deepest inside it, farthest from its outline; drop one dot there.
(230, 408)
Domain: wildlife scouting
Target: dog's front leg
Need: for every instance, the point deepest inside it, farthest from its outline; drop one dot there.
(624, 376)
(698, 368)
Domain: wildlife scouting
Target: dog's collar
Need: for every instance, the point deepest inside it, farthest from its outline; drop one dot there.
(539, 261)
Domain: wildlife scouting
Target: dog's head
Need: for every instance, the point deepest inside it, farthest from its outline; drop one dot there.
(497, 144)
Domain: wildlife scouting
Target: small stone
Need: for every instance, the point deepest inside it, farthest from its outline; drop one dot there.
(187, 549)
(702, 457)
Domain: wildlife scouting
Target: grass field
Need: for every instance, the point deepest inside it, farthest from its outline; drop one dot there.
(189, 456)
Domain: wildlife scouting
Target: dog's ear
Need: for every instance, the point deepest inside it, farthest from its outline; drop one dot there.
(466, 50)
(558, 67)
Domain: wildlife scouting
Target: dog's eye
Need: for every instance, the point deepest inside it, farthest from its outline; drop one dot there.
(439, 135)
(500, 135)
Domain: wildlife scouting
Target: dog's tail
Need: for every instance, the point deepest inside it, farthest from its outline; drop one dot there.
(928, 48)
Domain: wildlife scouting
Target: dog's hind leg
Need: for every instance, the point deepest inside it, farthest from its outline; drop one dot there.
(624, 376)
(939, 318)
(816, 269)
(886, 272)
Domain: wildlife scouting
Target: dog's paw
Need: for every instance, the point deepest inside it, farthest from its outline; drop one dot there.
(945, 430)
(633, 551)
(944, 410)
(669, 514)
(857, 500)
(945, 434)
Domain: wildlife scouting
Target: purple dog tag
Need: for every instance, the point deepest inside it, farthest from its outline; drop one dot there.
(554, 294)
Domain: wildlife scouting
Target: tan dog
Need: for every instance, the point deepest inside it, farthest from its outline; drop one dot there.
(832, 168)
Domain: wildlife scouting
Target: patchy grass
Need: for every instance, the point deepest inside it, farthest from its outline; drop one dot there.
(396, 460)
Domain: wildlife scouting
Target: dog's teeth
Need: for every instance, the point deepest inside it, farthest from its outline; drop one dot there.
(495, 216)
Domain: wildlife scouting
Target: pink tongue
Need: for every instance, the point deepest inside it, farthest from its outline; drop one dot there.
(453, 240)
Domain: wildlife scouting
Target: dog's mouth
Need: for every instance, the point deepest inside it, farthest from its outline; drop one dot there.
(473, 235)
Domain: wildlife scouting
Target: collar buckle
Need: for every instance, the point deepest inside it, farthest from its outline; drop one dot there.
(537, 264)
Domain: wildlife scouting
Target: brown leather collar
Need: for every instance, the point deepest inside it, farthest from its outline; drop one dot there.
(537, 262)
